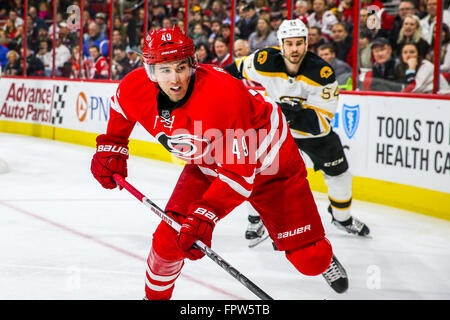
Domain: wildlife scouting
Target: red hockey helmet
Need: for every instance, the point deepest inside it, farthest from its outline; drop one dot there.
(165, 45)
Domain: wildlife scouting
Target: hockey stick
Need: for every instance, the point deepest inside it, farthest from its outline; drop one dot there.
(198, 244)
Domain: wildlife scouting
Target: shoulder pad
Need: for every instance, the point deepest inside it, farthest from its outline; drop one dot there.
(268, 60)
(317, 70)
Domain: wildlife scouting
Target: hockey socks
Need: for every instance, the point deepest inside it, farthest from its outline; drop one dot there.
(160, 276)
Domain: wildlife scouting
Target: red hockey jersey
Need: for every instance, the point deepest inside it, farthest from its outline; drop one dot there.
(233, 135)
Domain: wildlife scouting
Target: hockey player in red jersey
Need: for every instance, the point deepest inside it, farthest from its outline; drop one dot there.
(237, 147)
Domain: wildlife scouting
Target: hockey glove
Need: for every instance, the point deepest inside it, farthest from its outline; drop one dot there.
(111, 157)
(198, 225)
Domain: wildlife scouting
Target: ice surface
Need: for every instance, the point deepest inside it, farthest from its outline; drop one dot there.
(62, 236)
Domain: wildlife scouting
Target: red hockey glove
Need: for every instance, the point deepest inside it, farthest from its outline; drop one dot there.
(199, 224)
(111, 157)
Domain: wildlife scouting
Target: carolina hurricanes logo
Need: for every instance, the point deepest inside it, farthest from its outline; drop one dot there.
(184, 146)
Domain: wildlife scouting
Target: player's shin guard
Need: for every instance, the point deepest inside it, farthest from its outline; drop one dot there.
(160, 276)
(313, 259)
(340, 195)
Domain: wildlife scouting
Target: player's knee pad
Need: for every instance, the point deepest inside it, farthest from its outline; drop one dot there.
(313, 259)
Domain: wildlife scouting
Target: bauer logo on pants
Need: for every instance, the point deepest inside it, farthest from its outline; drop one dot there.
(350, 119)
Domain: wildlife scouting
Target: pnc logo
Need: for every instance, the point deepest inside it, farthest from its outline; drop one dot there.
(81, 106)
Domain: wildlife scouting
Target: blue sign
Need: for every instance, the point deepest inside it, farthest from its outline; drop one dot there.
(350, 119)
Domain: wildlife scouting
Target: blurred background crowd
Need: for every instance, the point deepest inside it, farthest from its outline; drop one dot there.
(395, 50)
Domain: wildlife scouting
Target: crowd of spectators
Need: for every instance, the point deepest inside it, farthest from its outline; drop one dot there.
(395, 49)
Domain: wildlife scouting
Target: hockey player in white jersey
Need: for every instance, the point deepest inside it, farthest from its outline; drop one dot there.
(305, 87)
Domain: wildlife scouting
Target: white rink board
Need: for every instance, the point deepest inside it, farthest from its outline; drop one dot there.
(401, 140)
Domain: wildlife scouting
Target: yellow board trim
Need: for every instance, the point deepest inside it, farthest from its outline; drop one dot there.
(425, 201)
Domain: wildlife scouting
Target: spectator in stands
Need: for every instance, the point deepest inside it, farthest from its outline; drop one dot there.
(345, 11)
(199, 35)
(3, 55)
(130, 22)
(405, 8)
(264, 12)
(134, 61)
(118, 67)
(365, 50)
(275, 20)
(13, 67)
(259, 4)
(62, 55)
(34, 66)
(322, 18)
(241, 48)
(69, 39)
(427, 23)
(247, 25)
(284, 11)
(418, 73)
(100, 20)
(99, 69)
(343, 43)
(221, 52)
(363, 15)
(444, 57)
(315, 39)
(44, 12)
(167, 23)
(175, 7)
(119, 26)
(46, 57)
(341, 69)
(263, 36)
(17, 21)
(218, 10)
(203, 53)
(73, 64)
(301, 10)
(411, 32)
(215, 30)
(196, 17)
(36, 22)
(382, 77)
(10, 29)
(86, 21)
(225, 31)
(117, 40)
(18, 37)
(4, 40)
(95, 38)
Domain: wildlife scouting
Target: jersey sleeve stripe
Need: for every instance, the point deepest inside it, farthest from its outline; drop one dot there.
(307, 80)
(274, 124)
(235, 186)
(268, 160)
(325, 112)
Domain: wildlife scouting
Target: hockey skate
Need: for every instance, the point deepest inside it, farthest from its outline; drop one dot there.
(336, 276)
(351, 225)
(256, 231)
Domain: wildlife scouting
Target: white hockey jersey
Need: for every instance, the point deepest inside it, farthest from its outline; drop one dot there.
(314, 87)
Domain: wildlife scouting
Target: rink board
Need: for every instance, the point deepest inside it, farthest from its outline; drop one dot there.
(398, 148)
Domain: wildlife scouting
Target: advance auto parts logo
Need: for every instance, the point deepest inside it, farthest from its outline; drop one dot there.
(29, 102)
(82, 106)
